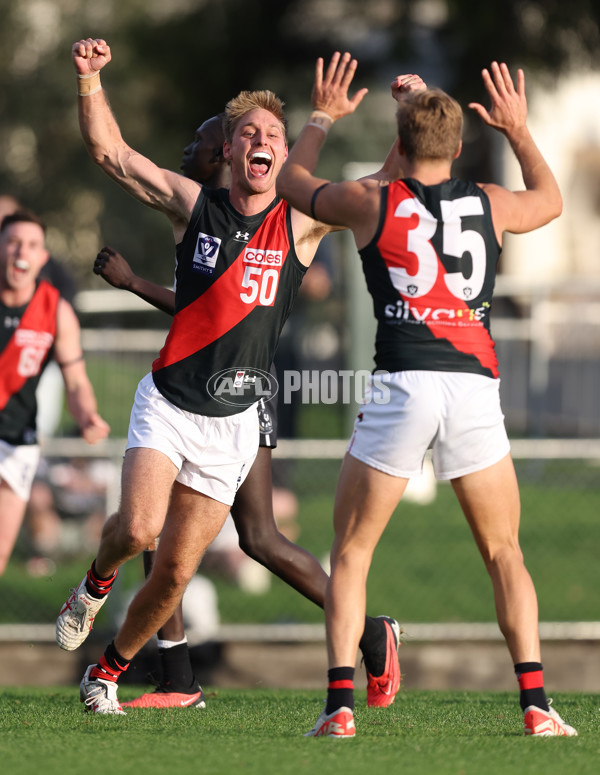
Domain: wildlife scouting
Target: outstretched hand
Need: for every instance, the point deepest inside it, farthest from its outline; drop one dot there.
(404, 84)
(508, 110)
(90, 55)
(113, 268)
(330, 91)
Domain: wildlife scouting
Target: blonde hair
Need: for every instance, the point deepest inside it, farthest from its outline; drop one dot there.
(251, 100)
(429, 125)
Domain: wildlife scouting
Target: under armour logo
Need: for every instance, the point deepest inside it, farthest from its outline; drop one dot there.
(242, 236)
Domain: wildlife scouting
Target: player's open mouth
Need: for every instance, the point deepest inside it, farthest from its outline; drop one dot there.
(260, 164)
(21, 265)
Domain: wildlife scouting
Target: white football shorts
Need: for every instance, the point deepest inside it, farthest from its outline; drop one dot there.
(213, 454)
(18, 466)
(406, 413)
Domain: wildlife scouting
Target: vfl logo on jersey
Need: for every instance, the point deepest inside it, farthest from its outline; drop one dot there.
(267, 257)
(205, 255)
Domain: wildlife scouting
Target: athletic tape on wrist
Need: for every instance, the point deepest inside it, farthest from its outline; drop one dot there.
(88, 84)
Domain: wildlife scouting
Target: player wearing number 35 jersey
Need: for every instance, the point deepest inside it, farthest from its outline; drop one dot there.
(430, 269)
(429, 245)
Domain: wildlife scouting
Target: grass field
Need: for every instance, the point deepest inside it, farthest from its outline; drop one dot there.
(258, 731)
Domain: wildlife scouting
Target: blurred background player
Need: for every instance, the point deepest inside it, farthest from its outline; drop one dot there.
(36, 325)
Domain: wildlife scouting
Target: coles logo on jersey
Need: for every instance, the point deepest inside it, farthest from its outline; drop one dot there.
(267, 257)
(205, 255)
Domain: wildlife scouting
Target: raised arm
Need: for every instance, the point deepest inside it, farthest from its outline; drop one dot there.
(342, 204)
(80, 397)
(392, 166)
(113, 268)
(541, 201)
(156, 187)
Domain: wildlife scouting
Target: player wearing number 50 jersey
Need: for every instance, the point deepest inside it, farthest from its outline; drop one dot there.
(193, 433)
(429, 244)
(233, 294)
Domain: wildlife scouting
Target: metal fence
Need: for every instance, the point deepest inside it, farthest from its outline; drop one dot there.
(426, 569)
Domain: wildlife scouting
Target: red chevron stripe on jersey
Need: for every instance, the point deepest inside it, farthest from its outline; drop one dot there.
(23, 356)
(232, 297)
(422, 280)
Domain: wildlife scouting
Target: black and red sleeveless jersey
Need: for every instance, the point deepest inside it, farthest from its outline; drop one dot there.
(27, 336)
(236, 280)
(431, 269)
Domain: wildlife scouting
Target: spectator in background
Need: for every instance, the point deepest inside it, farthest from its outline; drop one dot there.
(66, 511)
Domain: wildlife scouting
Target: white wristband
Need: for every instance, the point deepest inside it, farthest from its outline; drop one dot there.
(321, 120)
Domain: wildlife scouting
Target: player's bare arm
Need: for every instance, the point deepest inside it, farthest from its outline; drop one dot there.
(392, 168)
(541, 201)
(329, 99)
(79, 394)
(113, 268)
(331, 203)
(161, 189)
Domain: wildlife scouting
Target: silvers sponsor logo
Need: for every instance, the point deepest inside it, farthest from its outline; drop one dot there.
(404, 311)
(266, 257)
(242, 236)
(242, 387)
(205, 255)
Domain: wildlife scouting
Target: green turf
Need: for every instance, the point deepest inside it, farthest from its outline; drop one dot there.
(258, 731)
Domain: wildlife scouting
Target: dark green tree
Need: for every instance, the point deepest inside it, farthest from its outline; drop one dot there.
(177, 63)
